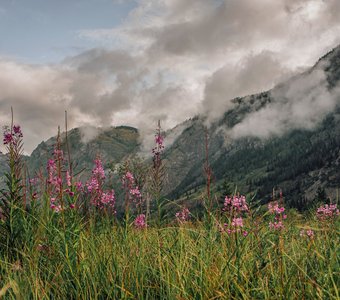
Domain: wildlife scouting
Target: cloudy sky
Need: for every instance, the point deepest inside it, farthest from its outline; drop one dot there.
(113, 62)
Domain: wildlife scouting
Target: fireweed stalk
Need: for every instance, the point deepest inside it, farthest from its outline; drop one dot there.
(54, 180)
(157, 171)
(133, 195)
(12, 139)
(101, 199)
(235, 207)
(327, 215)
(277, 211)
(183, 215)
(12, 201)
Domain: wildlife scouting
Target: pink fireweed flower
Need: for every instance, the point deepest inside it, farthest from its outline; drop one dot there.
(129, 176)
(136, 196)
(236, 203)
(11, 137)
(104, 200)
(58, 154)
(273, 208)
(135, 192)
(230, 231)
(68, 179)
(8, 138)
(128, 179)
(51, 169)
(279, 216)
(276, 225)
(236, 226)
(68, 191)
(108, 199)
(309, 233)
(159, 139)
(92, 185)
(327, 212)
(140, 222)
(183, 215)
(79, 186)
(159, 144)
(17, 130)
(159, 147)
(98, 170)
(56, 208)
(237, 222)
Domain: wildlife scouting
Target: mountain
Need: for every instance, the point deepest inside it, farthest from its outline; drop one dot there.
(112, 144)
(299, 160)
(297, 149)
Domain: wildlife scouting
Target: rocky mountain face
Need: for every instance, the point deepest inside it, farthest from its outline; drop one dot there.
(113, 145)
(297, 157)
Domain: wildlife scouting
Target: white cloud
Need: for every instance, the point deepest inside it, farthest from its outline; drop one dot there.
(300, 103)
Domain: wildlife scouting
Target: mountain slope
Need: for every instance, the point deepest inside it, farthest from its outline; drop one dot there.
(298, 161)
(113, 145)
(292, 153)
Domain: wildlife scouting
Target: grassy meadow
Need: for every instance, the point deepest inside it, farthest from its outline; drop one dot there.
(64, 239)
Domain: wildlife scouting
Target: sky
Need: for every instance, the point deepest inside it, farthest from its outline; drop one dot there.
(132, 62)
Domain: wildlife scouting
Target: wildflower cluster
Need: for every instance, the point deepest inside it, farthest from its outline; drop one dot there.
(12, 139)
(132, 189)
(12, 136)
(94, 187)
(55, 184)
(278, 212)
(140, 222)
(183, 215)
(309, 233)
(236, 206)
(159, 140)
(95, 183)
(327, 212)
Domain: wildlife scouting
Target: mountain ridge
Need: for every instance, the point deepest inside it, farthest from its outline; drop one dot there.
(298, 160)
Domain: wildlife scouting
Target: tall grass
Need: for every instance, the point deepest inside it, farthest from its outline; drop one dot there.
(190, 261)
(77, 253)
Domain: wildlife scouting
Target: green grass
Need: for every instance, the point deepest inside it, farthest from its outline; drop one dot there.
(81, 250)
(103, 260)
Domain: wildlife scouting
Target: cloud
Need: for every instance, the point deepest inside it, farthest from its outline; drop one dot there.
(300, 103)
(250, 75)
(170, 60)
(88, 133)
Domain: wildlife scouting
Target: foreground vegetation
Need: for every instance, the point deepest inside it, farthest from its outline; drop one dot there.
(63, 239)
(192, 261)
